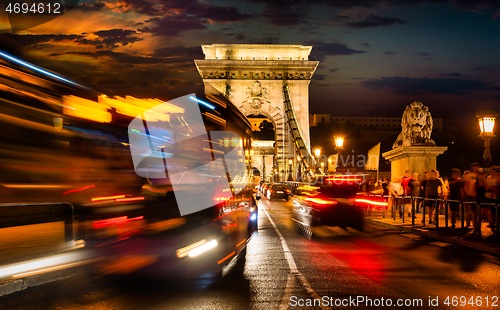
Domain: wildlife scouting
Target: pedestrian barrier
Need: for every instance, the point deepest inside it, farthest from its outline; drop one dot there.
(397, 204)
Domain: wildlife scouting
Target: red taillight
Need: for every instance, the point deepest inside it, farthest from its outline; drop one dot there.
(344, 178)
(288, 191)
(272, 191)
(321, 201)
(375, 203)
(115, 221)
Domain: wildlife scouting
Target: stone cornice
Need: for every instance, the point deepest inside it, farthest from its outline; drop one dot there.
(256, 69)
(413, 151)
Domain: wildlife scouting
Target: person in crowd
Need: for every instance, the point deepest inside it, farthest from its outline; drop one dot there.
(385, 187)
(480, 190)
(491, 195)
(414, 189)
(443, 193)
(433, 187)
(469, 195)
(423, 184)
(406, 179)
(455, 193)
(396, 190)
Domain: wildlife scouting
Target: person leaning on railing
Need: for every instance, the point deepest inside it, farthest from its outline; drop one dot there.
(414, 190)
(455, 193)
(433, 186)
(469, 195)
(396, 190)
(492, 195)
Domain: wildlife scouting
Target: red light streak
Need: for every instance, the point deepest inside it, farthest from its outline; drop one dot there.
(321, 201)
(115, 221)
(129, 199)
(79, 189)
(375, 203)
(107, 197)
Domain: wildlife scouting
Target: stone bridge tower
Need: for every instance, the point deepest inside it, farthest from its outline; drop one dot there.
(252, 76)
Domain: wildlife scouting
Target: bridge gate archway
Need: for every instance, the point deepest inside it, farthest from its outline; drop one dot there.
(252, 76)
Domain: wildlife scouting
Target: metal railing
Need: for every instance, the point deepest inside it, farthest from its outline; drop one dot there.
(397, 203)
(298, 137)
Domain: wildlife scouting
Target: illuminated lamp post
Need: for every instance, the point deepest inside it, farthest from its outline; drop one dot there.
(299, 172)
(290, 163)
(322, 167)
(487, 126)
(317, 153)
(339, 146)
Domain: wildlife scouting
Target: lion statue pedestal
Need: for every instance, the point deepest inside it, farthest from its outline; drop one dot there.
(414, 149)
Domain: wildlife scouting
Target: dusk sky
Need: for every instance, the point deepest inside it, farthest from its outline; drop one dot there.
(375, 56)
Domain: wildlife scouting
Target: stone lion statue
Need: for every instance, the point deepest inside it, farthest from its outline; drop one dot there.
(417, 126)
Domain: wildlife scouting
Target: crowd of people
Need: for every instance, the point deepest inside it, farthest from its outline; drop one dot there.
(476, 185)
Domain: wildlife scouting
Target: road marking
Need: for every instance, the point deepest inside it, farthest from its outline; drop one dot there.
(293, 270)
(290, 284)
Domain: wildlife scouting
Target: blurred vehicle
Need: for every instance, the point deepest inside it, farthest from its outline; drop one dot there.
(59, 145)
(264, 188)
(331, 203)
(278, 191)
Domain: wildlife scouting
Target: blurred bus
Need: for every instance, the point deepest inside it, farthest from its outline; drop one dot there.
(58, 144)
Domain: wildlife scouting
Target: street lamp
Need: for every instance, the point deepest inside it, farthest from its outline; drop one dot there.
(487, 126)
(317, 153)
(290, 163)
(339, 142)
(299, 168)
(339, 145)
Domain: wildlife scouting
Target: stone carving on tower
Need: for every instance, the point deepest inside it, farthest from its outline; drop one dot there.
(417, 126)
(256, 95)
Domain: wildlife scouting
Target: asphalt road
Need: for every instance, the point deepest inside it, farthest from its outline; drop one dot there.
(284, 268)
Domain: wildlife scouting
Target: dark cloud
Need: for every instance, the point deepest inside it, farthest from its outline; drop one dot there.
(319, 77)
(283, 17)
(390, 53)
(416, 86)
(29, 40)
(346, 4)
(240, 37)
(321, 50)
(191, 8)
(423, 54)
(365, 44)
(454, 74)
(358, 78)
(478, 68)
(375, 21)
(91, 7)
(477, 5)
(122, 57)
(334, 69)
(220, 14)
(171, 26)
(112, 38)
(180, 53)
